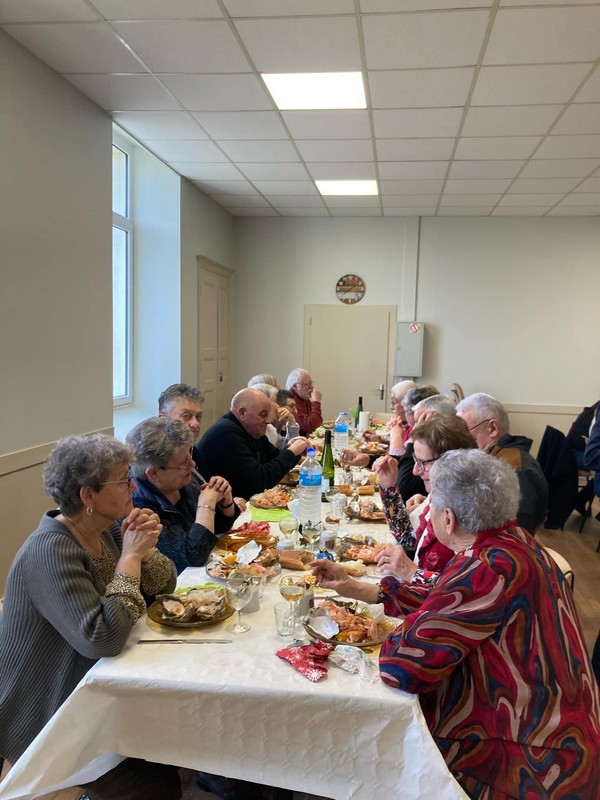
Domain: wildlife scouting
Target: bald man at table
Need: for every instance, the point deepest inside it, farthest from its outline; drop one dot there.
(236, 447)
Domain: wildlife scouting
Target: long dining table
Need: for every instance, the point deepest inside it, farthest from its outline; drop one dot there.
(236, 709)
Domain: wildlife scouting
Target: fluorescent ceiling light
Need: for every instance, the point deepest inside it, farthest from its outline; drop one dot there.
(316, 90)
(347, 187)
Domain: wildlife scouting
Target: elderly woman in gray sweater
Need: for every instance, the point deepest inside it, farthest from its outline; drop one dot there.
(73, 594)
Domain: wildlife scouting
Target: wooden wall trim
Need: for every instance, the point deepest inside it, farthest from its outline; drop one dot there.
(32, 456)
(531, 408)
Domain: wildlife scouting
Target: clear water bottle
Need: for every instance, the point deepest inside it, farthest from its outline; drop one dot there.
(292, 429)
(340, 432)
(309, 489)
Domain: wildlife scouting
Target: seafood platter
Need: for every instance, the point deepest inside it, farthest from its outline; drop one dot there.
(363, 548)
(266, 563)
(366, 511)
(191, 607)
(354, 624)
(277, 497)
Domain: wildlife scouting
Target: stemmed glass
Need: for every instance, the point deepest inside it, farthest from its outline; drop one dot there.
(239, 591)
(292, 588)
(288, 527)
(311, 532)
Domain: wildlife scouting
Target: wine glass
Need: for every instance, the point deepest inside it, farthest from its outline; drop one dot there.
(292, 588)
(288, 527)
(311, 532)
(239, 591)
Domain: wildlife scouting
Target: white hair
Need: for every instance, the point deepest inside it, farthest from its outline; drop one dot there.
(484, 406)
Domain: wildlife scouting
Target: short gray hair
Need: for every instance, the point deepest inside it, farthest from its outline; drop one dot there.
(294, 377)
(482, 491)
(154, 441)
(485, 406)
(265, 378)
(175, 392)
(414, 396)
(440, 403)
(79, 461)
(266, 389)
(399, 389)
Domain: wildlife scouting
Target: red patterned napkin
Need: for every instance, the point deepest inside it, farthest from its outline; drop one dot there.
(308, 659)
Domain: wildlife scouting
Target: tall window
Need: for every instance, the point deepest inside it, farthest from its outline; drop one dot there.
(121, 269)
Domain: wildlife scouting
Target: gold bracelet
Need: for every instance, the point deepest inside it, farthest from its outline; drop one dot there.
(203, 505)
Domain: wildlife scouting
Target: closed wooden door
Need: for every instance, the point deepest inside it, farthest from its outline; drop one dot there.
(214, 357)
(349, 351)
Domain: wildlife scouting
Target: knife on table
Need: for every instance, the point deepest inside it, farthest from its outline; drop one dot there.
(185, 641)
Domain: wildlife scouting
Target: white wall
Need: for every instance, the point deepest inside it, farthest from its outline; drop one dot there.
(286, 263)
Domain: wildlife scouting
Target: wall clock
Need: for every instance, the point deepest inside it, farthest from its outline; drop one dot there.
(350, 289)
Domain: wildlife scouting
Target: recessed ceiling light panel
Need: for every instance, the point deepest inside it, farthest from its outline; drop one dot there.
(347, 187)
(316, 90)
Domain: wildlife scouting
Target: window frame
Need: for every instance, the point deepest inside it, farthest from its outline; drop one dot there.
(125, 223)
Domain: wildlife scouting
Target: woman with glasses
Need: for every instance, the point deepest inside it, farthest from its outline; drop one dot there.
(410, 523)
(73, 594)
(193, 513)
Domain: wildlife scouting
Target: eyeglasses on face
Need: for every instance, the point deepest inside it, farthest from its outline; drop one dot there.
(422, 465)
(128, 481)
(183, 465)
(472, 428)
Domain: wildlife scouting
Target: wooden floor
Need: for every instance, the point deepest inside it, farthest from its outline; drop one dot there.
(580, 551)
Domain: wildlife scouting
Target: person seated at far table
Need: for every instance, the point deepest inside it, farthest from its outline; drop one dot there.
(488, 422)
(73, 595)
(494, 648)
(192, 513)
(264, 378)
(280, 416)
(411, 520)
(236, 447)
(308, 400)
(397, 393)
(183, 402)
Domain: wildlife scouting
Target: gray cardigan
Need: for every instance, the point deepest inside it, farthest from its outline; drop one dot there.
(57, 623)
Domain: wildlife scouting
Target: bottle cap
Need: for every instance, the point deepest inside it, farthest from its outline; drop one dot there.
(310, 451)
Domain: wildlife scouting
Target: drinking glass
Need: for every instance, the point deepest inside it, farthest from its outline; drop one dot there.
(289, 527)
(292, 588)
(311, 533)
(239, 591)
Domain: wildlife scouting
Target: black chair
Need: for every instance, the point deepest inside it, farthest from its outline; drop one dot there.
(557, 460)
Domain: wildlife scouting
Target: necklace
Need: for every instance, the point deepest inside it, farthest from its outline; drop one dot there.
(90, 543)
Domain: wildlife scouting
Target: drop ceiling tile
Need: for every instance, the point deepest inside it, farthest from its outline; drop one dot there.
(284, 8)
(316, 44)
(160, 124)
(560, 168)
(241, 125)
(332, 150)
(186, 150)
(466, 211)
(590, 185)
(240, 200)
(226, 187)
(582, 199)
(184, 45)
(485, 169)
(155, 9)
(259, 151)
(342, 170)
(543, 185)
(412, 170)
(483, 186)
(347, 124)
(410, 187)
(416, 122)
(580, 118)
(544, 35)
(590, 91)
(414, 149)
(510, 147)
(569, 147)
(203, 171)
(273, 172)
(574, 211)
(76, 47)
(548, 83)
(355, 212)
(409, 212)
(410, 201)
(510, 120)
(525, 200)
(43, 11)
(367, 6)
(420, 88)
(304, 212)
(286, 187)
(252, 212)
(444, 39)
(339, 201)
(125, 92)
(474, 200)
(520, 211)
(218, 92)
(295, 201)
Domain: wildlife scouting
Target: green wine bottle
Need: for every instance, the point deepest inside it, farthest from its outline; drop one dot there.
(359, 408)
(327, 463)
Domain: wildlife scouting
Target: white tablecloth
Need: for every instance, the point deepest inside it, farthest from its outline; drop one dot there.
(237, 710)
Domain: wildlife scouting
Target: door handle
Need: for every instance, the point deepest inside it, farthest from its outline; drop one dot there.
(381, 391)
